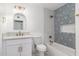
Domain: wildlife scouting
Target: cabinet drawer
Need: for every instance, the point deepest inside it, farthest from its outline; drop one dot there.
(12, 42)
(28, 40)
(17, 41)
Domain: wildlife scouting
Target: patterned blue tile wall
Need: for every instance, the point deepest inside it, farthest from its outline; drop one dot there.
(63, 16)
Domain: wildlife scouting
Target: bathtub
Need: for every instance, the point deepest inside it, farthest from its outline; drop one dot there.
(56, 49)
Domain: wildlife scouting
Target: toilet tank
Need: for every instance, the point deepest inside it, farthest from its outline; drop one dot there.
(37, 40)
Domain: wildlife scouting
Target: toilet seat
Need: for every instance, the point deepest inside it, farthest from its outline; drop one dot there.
(41, 47)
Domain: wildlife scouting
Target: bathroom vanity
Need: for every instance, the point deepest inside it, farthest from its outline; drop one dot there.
(17, 45)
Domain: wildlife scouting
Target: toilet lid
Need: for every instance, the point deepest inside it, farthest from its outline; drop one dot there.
(41, 47)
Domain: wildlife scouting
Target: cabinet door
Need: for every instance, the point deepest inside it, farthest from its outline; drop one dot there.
(12, 50)
(27, 48)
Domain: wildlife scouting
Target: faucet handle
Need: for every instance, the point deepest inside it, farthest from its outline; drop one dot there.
(16, 34)
(19, 33)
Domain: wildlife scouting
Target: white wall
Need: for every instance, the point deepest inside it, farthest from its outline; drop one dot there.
(34, 17)
(0, 40)
(35, 20)
(77, 29)
(48, 25)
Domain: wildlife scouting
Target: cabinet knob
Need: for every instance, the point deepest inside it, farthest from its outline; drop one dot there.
(20, 49)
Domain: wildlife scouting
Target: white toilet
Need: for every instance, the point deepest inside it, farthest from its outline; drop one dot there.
(41, 48)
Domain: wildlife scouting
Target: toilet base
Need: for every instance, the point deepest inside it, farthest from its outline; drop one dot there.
(41, 53)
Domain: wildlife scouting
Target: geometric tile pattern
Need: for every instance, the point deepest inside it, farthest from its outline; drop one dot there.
(63, 16)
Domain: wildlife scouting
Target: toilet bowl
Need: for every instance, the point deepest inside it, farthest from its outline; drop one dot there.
(39, 46)
(41, 49)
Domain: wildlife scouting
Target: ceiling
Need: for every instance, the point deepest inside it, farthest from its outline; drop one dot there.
(8, 6)
(51, 6)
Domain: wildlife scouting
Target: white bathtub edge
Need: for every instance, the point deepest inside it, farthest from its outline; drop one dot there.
(61, 48)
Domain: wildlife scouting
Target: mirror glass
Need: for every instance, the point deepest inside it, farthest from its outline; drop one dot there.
(19, 21)
(18, 25)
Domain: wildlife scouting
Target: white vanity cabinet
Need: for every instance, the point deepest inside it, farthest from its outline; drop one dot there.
(17, 47)
(12, 50)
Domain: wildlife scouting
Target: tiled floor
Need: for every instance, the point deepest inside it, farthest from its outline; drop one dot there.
(36, 53)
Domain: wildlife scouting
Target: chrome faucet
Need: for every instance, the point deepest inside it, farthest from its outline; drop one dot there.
(19, 33)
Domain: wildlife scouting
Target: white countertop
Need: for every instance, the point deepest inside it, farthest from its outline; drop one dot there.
(20, 37)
